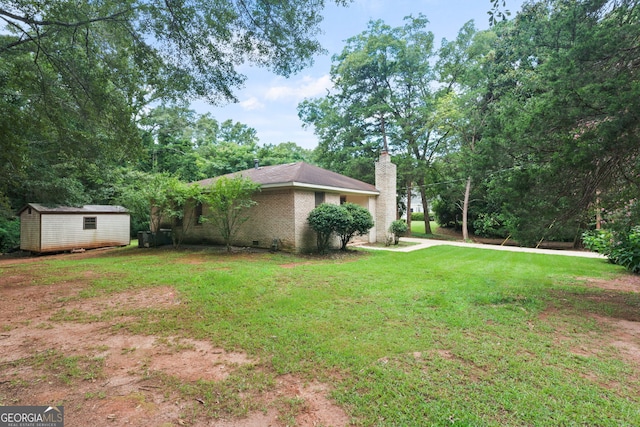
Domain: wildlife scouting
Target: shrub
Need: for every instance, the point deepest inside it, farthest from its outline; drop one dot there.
(417, 216)
(345, 221)
(620, 247)
(9, 233)
(359, 223)
(325, 219)
(398, 228)
(491, 224)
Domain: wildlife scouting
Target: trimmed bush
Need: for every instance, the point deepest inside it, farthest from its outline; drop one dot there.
(360, 222)
(417, 216)
(325, 219)
(345, 221)
(398, 228)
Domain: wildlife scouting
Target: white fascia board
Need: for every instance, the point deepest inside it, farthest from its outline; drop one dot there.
(320, 188)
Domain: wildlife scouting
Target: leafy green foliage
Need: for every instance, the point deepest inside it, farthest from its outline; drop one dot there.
(383, 99)
(326, 219)
(622, 248)
(344, 221)
(417, 216)
(76, 79)
(398, 228)
(359, 224)
(619, 241)
(9, 233)
(228, 200)
(563, 125)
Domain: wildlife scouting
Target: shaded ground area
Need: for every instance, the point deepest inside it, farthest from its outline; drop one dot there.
(57, 348)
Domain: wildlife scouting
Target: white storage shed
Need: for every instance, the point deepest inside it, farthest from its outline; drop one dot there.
(65, 228)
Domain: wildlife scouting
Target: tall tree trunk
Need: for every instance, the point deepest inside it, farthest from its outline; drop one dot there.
(465, 210)
(385, 147)
(598, 211)
(425, 205)
(409, 208)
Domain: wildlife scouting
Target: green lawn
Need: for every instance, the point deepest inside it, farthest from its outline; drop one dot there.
(442, 336)
(417, 230)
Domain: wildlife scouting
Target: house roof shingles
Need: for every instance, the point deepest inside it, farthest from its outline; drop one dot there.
(300, 174)
(86, 209)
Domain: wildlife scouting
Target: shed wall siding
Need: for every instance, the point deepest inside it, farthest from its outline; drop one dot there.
(30, 231)
(62, 232)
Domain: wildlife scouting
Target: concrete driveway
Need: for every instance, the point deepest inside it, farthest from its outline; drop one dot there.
(427, 243)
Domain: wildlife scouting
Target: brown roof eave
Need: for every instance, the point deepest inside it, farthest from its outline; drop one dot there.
(317, 187)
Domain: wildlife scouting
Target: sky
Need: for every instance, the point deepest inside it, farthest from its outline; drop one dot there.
(268, 103)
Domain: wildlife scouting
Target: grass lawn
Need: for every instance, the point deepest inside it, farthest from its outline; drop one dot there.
(443, 336)
(417, 230)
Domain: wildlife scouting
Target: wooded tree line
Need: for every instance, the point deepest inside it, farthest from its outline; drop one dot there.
(528, 130)
(77, 81)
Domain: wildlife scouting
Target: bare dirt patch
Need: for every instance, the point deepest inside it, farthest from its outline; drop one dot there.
(105, 376)
(615, 306)
(628, 283)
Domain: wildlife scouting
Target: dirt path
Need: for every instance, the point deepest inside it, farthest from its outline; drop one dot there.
(53, 352)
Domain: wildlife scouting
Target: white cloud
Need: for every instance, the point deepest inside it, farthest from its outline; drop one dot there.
(251, 104)
(306, 87)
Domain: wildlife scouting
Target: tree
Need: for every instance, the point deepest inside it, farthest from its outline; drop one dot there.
(76, 76)
(232, 148)
(285, 152)
(384, 100)
(462, 68)
(168, 132)
(346, 144)
(227, 200)
(163, 198)
(398, 228)
(562, 132)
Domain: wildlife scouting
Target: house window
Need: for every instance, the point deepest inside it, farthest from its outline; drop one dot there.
(29, 211)
(343, 200)
(319, 198)
(90, 223)
(197, 213)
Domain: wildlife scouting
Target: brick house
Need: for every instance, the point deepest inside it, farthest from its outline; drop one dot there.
(290, 192)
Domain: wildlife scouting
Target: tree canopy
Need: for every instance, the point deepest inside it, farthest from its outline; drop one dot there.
(76, 77)
(527, 129)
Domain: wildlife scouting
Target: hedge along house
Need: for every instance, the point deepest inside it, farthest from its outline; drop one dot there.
(289, 192)
(65, 228)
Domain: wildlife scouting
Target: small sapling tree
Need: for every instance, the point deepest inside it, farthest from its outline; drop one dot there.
(228, 201)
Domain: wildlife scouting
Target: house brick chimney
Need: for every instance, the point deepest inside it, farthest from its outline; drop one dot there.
(386, 209)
